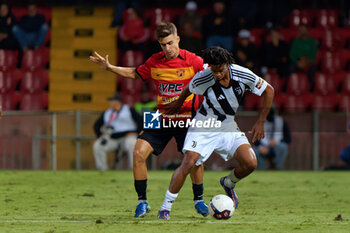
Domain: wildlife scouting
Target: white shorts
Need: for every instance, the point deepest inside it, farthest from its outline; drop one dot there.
(223, 143)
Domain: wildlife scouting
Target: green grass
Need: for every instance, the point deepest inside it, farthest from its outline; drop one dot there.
(70, 201)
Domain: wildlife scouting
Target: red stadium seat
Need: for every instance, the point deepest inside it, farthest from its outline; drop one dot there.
(256, 36)
(21, 11)
(331, 62)
(130, 86)
(297, 103)
(8, 82)
(132, 58)
(37, 101)
(131, 99)
(345, 58)
(346, 85)
(324, 84)
(332, 40)
(35, 59)
(275, 81)
(288, 34)
(324, 103)
(299, 17)
(156, 16)
(316, 33)
(8, 59)
(279, 100)
(338, 79)
(46, 11)
(47, 38)
(8, 102)
(344, 103)
(251, 102)
(298, 84)
(35, 81)
(327, 19)
(345, 34)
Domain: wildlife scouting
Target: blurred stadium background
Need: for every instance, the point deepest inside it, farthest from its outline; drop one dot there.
(52, 96)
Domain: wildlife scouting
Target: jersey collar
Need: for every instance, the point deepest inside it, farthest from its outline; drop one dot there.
(181, 55)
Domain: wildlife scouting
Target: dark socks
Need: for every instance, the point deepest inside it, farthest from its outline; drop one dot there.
(197, 192)
(140, 187)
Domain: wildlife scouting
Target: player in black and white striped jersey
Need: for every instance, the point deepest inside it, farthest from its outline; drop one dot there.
(223, 84)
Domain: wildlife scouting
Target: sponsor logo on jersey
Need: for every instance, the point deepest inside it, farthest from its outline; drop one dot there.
(170, 88)
(180, 73)
(258, 86)
(221, 97)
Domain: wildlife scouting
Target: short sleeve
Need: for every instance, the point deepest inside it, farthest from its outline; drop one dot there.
(197, 64)
(144, 71)
(255, 84)
(201, 82)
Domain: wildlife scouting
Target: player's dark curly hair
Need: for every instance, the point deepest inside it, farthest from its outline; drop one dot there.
(217, 56)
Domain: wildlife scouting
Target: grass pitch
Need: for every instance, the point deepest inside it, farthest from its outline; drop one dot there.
(91, 201)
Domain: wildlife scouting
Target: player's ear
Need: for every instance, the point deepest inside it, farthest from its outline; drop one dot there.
(178, 39)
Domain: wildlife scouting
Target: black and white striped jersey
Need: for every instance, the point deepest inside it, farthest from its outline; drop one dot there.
(221, 102)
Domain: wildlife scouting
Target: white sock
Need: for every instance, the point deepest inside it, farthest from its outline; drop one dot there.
(231, 179)
(141, 201)
(196, 201)
(169, 200)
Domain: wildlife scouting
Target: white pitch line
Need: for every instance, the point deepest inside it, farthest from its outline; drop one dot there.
(44, 221)
(158, 222)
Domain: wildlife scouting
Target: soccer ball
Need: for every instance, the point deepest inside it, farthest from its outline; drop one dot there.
(221, 207)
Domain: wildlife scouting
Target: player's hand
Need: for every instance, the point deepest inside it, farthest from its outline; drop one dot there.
(273, 143)
(263, 150)
(257, 131)
(173, 107)
(100, 61)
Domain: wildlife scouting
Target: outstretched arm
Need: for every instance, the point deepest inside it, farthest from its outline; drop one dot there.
(175, 106)
(125, 72)
(258, 131)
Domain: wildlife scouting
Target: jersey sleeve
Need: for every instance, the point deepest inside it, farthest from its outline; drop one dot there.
(255, 84)
(201, 82)
(197, 63)
(144, 71)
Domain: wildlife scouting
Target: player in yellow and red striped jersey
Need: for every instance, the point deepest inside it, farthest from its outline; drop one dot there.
(171, 70)
(171, 76)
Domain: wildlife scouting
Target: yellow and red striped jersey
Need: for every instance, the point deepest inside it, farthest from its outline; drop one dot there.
(171, 77)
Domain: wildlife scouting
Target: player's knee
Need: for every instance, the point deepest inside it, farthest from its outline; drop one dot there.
(186, 167)
(138, 156)
(97, 145)
(252, 163)
(189, 161)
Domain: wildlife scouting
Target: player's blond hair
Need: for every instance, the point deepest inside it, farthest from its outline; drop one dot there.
(165, 29)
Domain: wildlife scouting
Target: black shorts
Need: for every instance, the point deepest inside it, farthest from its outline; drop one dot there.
(159, 138)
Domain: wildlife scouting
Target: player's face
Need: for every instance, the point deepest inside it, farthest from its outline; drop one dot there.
(220, 72)
(115, 104)
(4, 10)
(170, 46)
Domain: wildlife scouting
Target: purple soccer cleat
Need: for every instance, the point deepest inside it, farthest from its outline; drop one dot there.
(163, 214)
(230, 192)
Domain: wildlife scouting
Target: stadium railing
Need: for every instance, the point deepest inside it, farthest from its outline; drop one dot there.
(63, 140)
